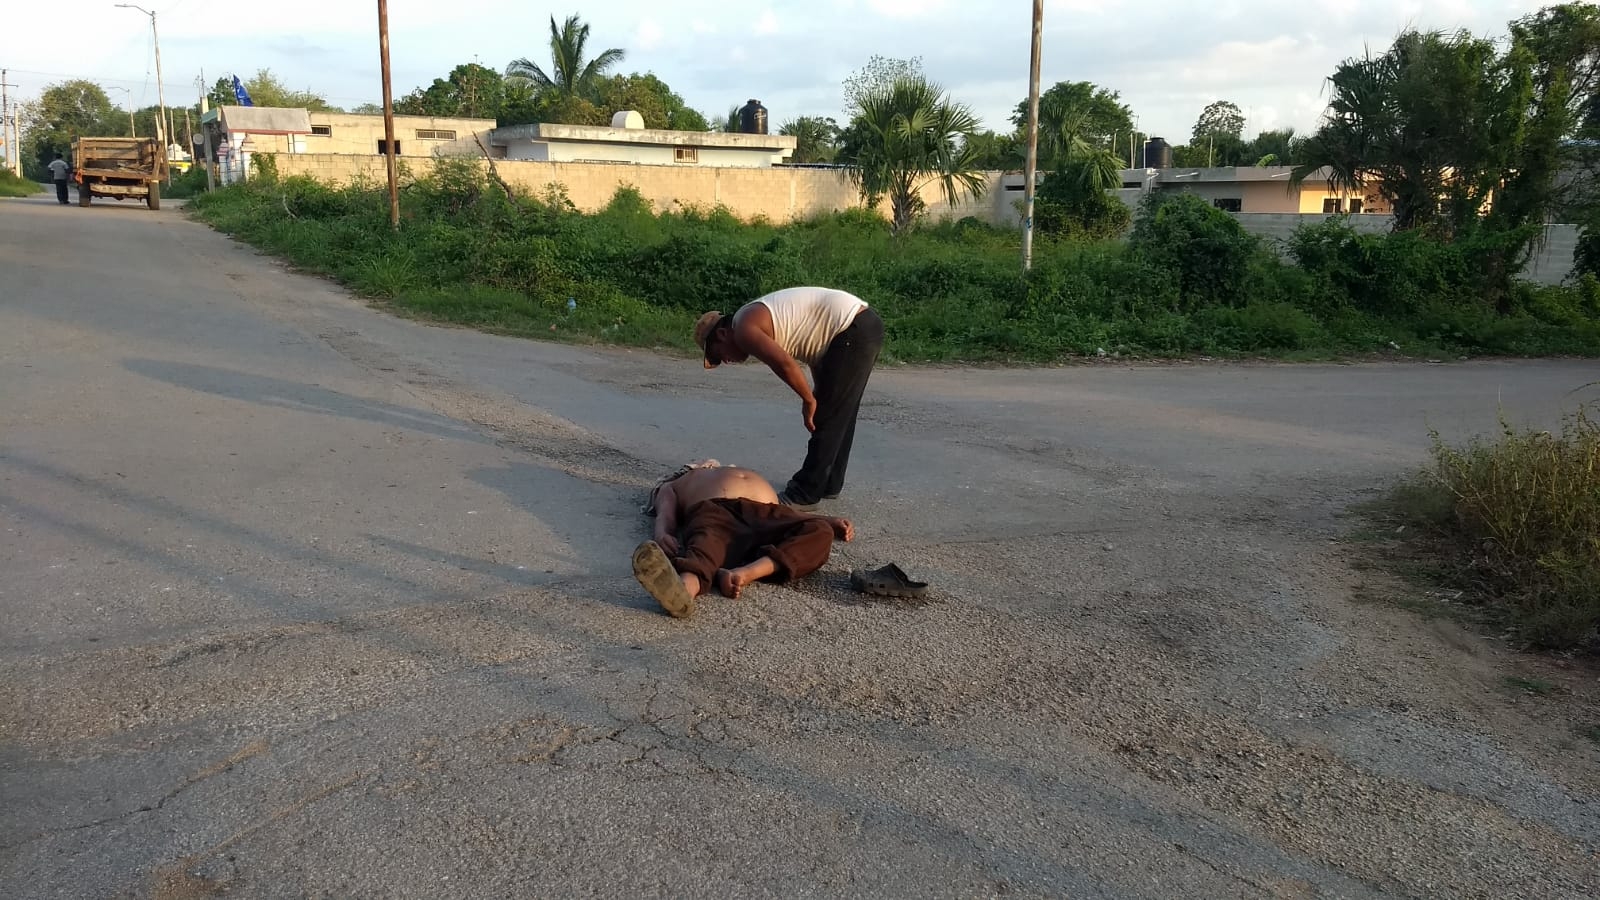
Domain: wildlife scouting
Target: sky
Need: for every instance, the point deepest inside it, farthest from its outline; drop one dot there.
(1167, 59)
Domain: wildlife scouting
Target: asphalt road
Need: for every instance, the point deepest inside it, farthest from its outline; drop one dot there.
(300, 599)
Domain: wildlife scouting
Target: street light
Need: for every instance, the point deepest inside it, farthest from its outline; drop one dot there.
(161, 94)
(133, 130)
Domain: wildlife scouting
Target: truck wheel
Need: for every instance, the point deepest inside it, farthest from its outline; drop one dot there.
(154, 198)
(83, 194)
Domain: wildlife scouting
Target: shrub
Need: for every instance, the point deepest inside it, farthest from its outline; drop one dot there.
(1521, 515)
(1065, 206)
(1189, 281)
(1205, 248)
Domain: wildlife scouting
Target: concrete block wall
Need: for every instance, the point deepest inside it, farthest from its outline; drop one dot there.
(779, 194)
(1551, 264)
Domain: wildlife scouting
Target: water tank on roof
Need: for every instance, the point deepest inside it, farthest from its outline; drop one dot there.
(627, 118)
(753, 118)
(1157, 154)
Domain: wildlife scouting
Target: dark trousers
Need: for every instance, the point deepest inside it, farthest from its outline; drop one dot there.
(61, 191)
(840, 378)
(725, 534)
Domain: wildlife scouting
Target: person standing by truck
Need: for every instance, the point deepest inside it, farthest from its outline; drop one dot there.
(59, 168)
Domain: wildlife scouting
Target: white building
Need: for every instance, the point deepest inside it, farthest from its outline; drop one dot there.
(627, 141)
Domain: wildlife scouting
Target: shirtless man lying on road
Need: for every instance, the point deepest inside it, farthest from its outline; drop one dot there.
(734, 532)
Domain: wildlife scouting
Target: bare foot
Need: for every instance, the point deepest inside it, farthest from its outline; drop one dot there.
(731, 582)
(843, 529)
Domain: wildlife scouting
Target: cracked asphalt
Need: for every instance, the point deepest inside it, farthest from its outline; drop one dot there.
(301, 599)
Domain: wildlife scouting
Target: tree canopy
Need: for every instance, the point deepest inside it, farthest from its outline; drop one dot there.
(572, 73)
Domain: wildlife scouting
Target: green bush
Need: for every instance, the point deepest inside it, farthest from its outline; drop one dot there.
(1208, 251)
(1189, 281)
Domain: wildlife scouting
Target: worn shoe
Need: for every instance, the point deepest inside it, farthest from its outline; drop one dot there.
(655, 574)
(786, 500)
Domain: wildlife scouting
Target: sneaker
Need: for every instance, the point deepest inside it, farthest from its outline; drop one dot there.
(786, 500)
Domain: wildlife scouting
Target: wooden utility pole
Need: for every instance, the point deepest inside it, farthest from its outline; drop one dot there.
(388, 115)
(1031, 168)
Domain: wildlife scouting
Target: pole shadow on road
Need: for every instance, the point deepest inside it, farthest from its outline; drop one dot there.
(301, 397)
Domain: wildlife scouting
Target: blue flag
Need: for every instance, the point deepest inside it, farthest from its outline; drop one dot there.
(240, 93)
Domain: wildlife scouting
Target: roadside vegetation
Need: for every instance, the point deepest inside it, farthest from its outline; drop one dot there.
(1188, 280)
(1512, 525)
(12, 186)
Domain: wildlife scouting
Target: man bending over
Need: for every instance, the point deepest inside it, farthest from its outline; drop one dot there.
(724, 525)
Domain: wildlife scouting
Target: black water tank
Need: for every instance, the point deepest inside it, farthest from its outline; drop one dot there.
(1157, 154)
(753, 118)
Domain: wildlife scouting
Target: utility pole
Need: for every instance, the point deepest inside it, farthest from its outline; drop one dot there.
(1031, 168)
(205, 139)
(5, 121)
(161, 92)
(388, 113)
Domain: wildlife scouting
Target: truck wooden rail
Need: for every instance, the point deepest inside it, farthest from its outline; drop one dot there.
(119, 167)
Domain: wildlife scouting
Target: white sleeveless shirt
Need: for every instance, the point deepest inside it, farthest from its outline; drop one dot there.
(806, 319)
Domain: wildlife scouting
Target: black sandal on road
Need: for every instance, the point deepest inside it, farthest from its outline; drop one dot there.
(888, 581)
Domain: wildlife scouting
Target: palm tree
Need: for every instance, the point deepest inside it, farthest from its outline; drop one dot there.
(815, 138)
(909, 135)
(570, 74)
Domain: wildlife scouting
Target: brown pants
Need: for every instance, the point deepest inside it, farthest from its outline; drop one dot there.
(722, 534)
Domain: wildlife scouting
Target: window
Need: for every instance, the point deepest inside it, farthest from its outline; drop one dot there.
(1229, 204)
(324, 130)
(383, 150)
(1130, 185)
(686, 154)
(430, 134)
(1355, 207)
(1332, 206)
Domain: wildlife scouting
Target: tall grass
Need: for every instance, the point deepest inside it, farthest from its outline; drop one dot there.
(1188, 281)
(13, 186)
(1519, 518)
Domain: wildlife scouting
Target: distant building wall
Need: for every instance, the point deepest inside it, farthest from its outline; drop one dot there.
(778, 193)
(1551, 265)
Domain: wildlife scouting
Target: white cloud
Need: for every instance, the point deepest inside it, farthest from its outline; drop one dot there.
(1166, 58)
(648, 36)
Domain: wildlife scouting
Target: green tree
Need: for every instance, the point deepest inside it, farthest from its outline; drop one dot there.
(1075, 200)
(470, 91)
(63, 112)
(1075, 114)
(368, 109)
(571, 74)
(265, 89)
(816, 139)
(997, 152)
(1219, 119)
(1426, 125)
(909, 134)
(1274, 148)
(877, 75)
(651, 98)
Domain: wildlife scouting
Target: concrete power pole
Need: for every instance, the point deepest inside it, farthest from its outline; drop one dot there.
(1031, 168)
(10, 128)
(5, 119)
(162, 124)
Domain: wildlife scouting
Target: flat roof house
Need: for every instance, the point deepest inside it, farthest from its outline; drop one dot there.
(629, 143)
